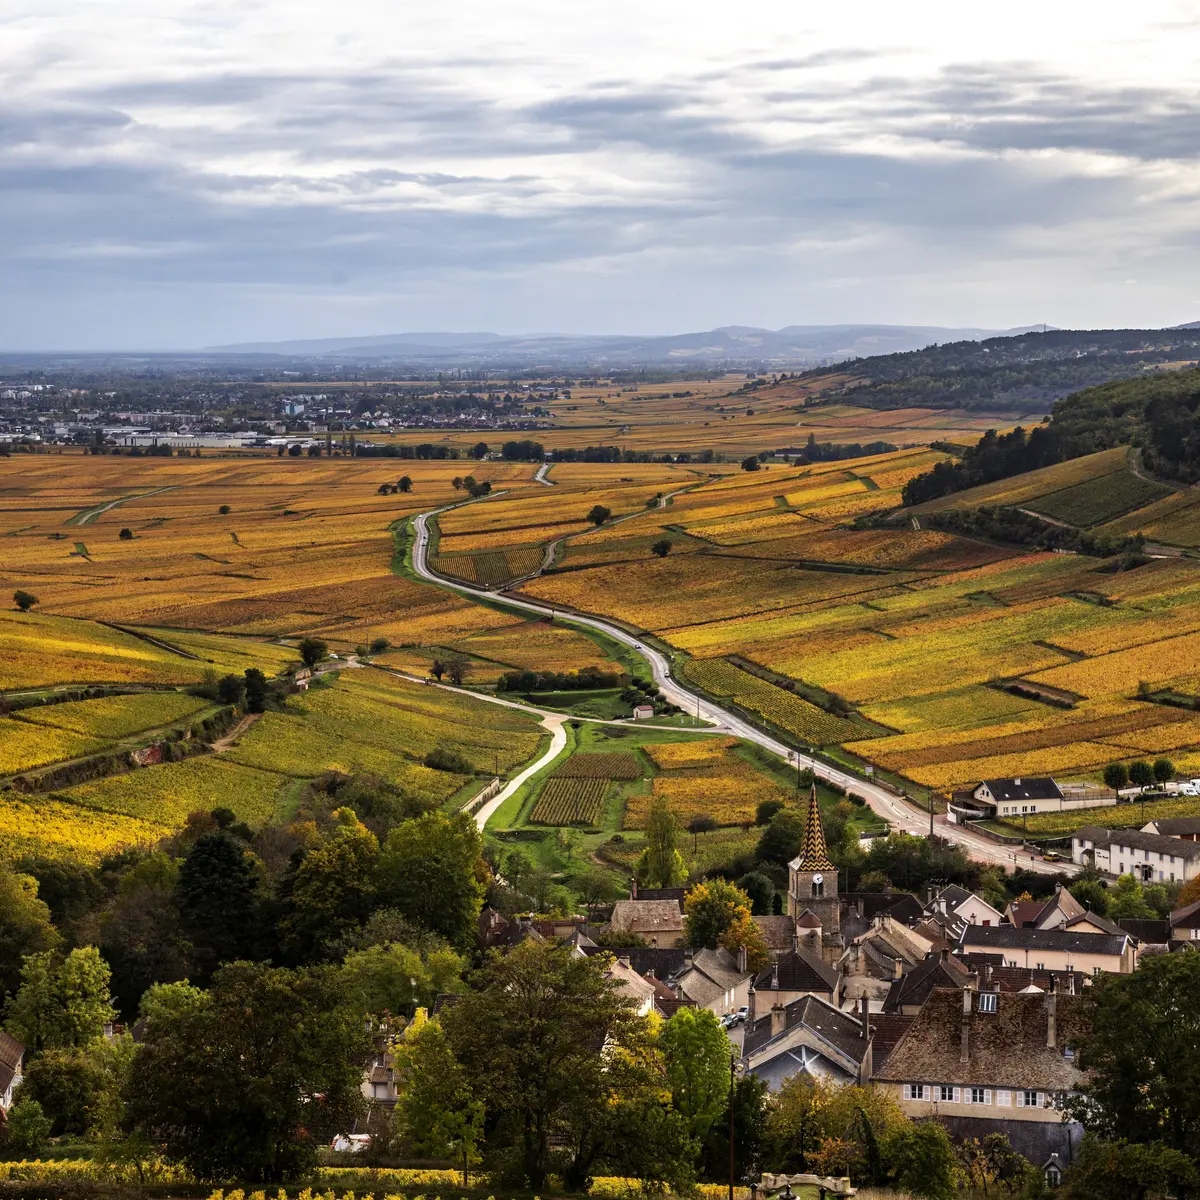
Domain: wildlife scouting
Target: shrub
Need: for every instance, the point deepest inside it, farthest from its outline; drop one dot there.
(126, 535)
(448, 760)
(24, 600)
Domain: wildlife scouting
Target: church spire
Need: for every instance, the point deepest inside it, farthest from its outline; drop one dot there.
(814, 854)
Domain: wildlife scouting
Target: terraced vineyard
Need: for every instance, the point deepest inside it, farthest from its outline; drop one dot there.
(574, 800)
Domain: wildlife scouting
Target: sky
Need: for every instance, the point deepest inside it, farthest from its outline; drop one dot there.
(178, 174)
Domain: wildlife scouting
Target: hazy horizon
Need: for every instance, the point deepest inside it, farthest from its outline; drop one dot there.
(223, 173)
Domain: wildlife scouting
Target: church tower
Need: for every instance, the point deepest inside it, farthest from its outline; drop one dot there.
(813, 879)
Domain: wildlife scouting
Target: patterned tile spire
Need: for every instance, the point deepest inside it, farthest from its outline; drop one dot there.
(814, 854)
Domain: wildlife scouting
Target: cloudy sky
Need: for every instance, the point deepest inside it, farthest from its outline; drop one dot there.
(179, 174)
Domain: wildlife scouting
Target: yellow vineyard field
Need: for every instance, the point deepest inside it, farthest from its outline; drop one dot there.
(116, 716)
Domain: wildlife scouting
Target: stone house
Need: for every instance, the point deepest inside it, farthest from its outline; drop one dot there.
(992, 1062)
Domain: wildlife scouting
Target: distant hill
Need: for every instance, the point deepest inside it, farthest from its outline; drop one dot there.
(730, 345)
(1022, 373)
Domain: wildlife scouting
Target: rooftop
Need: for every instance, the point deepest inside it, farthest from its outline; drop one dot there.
(1006, 1048)
(1009, 937)
(1038, 787)
(647, 917)
(797, 971)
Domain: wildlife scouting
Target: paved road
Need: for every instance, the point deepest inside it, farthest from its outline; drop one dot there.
(900, 815)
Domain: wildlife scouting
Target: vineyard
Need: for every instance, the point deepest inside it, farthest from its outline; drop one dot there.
(116, 716)
(788, 711)
(602, 766)
(1098, 501)
(489, 568)
(567, 800)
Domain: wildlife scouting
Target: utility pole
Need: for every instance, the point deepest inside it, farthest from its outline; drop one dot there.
(732, 1076)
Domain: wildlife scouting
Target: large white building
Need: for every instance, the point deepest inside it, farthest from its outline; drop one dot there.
(1150, 857)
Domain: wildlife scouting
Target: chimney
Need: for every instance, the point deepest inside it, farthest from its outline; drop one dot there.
(624, 961)
(778, 1019)
(1051, 1021)
(775, 974)
(1071, 984)
(741, 960)
(865, 1009)
(897, 968)
(687, 960)
(964, 1054)
(987, 974)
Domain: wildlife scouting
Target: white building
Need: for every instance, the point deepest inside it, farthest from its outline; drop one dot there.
(1151, 857)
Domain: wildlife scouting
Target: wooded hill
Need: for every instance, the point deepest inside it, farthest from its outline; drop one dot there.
(1023, 373)
(1157, 413)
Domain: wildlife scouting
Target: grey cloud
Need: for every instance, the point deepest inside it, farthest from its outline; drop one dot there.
(746, 195)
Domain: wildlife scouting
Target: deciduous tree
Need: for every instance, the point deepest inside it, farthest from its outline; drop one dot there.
(1140, 1053)
(431, 871)
(250, 1079)
(25, 926)
(63, 1003)
(660, 863)
(312, 650)
(697, 1056)
(530, 1036)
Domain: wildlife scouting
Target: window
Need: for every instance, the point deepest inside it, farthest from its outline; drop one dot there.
(1012, 962)
(1041, 966)
(916, 1091)
(1029, 1099)
(987, 1002)
(947, 1094)
(977, 1096)
(1004, 1098)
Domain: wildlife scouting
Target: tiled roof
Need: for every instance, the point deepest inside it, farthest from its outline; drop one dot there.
(841, 1030)
(1145, 929)
(662, 961)
(995, 976)
(778, 932)
(938, 970)
(1026, 912)
(1137, 840)
(647, 916)
(886, 1031)
(712, 973)
(1103, 924)
(1188, 916)
(808, 920)
(1177, 826)
(1038, 787)
(1009, 937)
(797, 971)
(1006, 1048)
(814, 854)
(10, 1050)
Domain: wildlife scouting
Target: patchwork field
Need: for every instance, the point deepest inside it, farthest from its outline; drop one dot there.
(895, 645)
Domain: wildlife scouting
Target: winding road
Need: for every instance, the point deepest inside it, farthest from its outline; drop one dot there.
(900, 815)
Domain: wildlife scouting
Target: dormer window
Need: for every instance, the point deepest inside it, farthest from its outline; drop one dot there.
(987, 1002)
